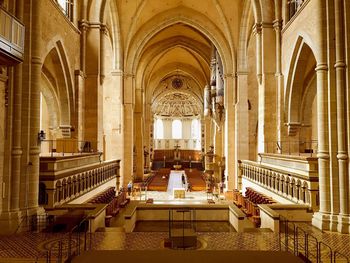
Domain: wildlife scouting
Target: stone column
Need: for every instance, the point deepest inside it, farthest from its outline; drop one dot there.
(80, 102)
(267, 85)
(93, 90)
(342, 156)
(148, 130)
(104, 35)
(277, 25)
(139, 131)
(17, 126)
(83, 26)
(128, 130)
(257, 30)
(321, 219)
(4, 180)
(242, 118)
(229, 139)
(36, 64)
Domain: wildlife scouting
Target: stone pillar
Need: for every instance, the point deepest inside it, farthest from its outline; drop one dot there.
(138, 133)
(277, 25)
(4, 181)
(114, 112)
(104, 35)
(93, 90)
(229, 139)
(321, 219)
(267, 85)
(139, 145)
(36, 64)
(242, 118)
(342, 156)
(128, 130)
(83, 26)
(80, 102)
(257, 30)
(17, 126)
(148, 133)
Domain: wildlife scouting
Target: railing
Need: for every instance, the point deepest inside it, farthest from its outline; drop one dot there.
(35, 223)
(62, 147)
(81, 182)
(281, 182)
(299, 242)
(299, 148)
(71, 244)
(11, 35)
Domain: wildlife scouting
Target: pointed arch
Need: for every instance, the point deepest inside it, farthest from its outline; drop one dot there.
(295, 87)
(170, 17)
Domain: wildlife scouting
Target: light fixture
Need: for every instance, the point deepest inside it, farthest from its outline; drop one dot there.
(41, 135)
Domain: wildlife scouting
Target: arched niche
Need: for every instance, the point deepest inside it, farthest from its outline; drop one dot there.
(57, 95)
(300, 100)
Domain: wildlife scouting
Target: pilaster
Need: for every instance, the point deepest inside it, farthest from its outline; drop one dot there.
(321, 219)
(230, 133)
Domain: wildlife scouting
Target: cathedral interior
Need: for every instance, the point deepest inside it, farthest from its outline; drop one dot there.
(169, 130)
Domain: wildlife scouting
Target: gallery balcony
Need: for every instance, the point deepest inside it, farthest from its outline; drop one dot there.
(12, 33)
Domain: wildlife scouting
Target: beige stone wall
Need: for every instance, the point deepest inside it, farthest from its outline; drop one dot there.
(57, 28)
(305, 25)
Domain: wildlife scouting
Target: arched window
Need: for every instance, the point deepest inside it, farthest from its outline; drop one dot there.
(62, 4)
(67, 7)
(195, 129)
(177, 129)
(158, 129)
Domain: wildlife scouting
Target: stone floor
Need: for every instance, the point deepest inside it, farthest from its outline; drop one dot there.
(30, 247)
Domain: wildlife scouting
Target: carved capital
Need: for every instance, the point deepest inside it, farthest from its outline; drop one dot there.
(83, 25)
(257, 28)
(277, 25)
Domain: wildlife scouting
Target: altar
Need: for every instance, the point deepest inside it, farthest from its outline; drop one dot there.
(179, 192)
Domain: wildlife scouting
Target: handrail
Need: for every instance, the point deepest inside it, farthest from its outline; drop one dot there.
(67, 238)
(286, 147)
(309, 254)
(29, 220)
(340, 254)
(320, 244)
(297, 241)
(307, 238)
(64, 146)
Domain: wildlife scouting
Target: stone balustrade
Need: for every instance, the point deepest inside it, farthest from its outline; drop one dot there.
(61, 181)
(296, 187)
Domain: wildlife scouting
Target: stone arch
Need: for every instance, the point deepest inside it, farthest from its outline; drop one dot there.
(58, 188)
(301, 88)
(156, 51)
(170, 17)
(57, 87)
(246, 26)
